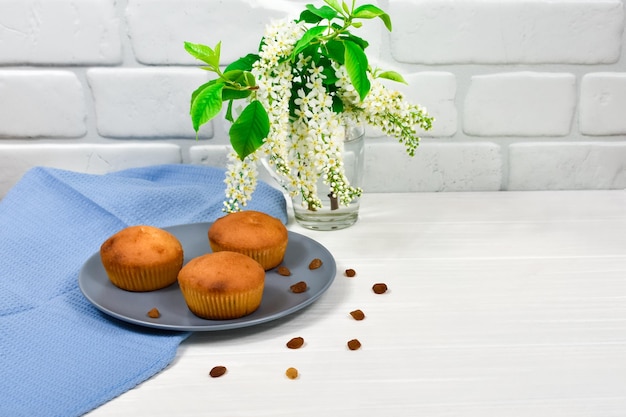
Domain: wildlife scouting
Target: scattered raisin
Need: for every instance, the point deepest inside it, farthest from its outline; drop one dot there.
(350, 273)
(315, 263)
(284, 271)
(354, 344)
(357, 314)
(217, 371)
(295, 343)
(298, 287)
(154, 313)
(292, 373)
(380, 288)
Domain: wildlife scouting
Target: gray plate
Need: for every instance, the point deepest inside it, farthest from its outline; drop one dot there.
(278, 301)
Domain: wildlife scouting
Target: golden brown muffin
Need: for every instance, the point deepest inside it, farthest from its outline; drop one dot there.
(222, 285)
(142, 258)
(258, 235)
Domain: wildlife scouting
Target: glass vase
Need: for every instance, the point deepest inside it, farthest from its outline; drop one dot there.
(333, 215)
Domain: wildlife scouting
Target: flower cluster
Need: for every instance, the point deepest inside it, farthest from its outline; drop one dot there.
(304, 87)
(390, 111)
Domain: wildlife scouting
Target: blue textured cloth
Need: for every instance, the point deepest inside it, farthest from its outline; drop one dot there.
(59, 356)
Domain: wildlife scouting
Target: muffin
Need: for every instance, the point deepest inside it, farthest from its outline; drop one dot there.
(142, 258)
(258, 235)
(222, 285)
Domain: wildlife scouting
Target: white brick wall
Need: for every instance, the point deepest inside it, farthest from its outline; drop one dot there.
(59, 32)
(506, 32)
(520, 104)
(158, 28)
(53, 100)
(528, 94)
(558, 166)
(603, 104)
(144, 102)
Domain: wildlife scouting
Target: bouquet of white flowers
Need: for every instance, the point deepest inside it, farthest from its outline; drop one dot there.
(309, 80)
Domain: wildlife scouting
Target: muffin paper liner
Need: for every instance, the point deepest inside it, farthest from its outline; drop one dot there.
(145, 279)
(268, 258)
(217, 306)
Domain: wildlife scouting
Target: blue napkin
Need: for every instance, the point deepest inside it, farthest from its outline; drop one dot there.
(59, 356)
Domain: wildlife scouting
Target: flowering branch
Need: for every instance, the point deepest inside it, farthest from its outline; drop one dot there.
(310, 78)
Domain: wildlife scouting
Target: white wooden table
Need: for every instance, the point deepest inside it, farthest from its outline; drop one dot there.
(499, 304)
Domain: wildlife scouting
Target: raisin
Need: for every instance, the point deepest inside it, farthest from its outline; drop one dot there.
(354, 344)
(298, 287)
(284, 271)
(350, 273)
(315, 263)
(154, 313)
(357, 314)
(292, 373)
(217, 371)
(295, 343)
(379, 288)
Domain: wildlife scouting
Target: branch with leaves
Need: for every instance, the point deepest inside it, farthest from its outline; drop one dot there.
(309, 77)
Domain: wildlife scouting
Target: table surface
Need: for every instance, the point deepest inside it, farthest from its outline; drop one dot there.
(499, 304)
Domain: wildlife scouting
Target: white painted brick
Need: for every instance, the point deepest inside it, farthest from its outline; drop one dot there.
(76, 32)
(41, 103)
(520, 104)
(145, 102)
(567, 166)
(239, 24)
(504, 32)
(16, 159)
(211, 155)
(435, 167)
(603, 104)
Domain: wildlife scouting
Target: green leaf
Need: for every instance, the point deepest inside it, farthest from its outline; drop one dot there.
(312, 51)
(205, 53)
(356, 65)
(334, 4)
(369, 11)
(232, 94)
(324, 12)
(250, 129)
(393, 76)
(331, 77)
(345, 7)
(308, 17)
(206, 103)
(337, 105)
(386, 20)
(218, 52)
(202, 87)
(337, 27)
(229, 112)
(359, 41)
(242, 81)
(244, 63)
(336, 51)
(240, 77)
(250, 81)
(235, 75)
(309, 37)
